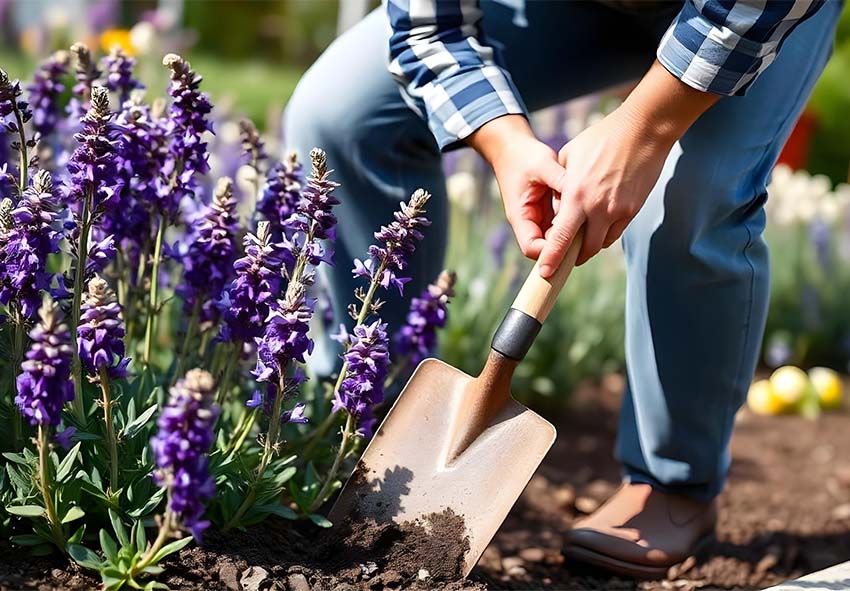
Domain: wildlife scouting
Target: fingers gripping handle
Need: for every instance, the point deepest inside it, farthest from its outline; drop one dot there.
(532, 305)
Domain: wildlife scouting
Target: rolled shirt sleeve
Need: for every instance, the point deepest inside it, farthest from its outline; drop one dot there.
(721, 47)
(448, 75)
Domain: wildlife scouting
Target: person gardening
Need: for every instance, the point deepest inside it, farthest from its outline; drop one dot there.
(679, 171)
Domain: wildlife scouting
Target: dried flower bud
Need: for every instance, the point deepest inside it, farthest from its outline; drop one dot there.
(43, 182)
(6, 221)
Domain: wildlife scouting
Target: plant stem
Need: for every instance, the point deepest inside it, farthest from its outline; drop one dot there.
(269, 450)
(159, 542)
(190, 334)
(18, 332)
(347, 432)
(230, 362)
(240, 433)
(153, 301)
(111, 440)
(77, 404)
(44, 482)
(24, 161)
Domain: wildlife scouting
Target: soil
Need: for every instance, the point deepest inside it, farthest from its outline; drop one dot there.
(786, 512)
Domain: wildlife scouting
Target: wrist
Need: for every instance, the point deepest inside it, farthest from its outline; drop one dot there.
(495, 139)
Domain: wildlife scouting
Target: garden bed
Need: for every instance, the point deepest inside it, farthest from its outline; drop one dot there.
(786, 512)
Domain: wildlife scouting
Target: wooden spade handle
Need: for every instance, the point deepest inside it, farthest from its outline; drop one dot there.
(532, 305)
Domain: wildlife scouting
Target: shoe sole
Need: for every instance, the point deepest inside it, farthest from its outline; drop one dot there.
(622, 567)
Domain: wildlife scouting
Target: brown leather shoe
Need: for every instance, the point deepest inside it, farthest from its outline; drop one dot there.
(641, 532)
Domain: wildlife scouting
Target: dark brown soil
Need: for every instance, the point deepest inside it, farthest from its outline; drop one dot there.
(785, 512)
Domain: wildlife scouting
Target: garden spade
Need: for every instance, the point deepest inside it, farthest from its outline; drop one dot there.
(453, 441)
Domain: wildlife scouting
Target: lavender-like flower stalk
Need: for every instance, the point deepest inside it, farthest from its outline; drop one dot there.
(85, 73)
(20, 114)
(100, 335)
(282, 193)
(209, 260)
(366, 361)
(180, 451)
(44, 384)
(258, 281)
(28, 240)
(45, 90)
(118, 68)
(417, 339)
(253, 146)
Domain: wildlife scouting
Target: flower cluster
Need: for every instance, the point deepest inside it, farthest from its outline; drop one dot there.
(395, 243)
(286, 336)
(208, 262)
(282, 193)
(45, 90)
(44, 384)
(417, 339)
(13, 112)
(100, 335)
(257, 284)
(118, 69)
(187, 121)
(93, 167)
(86, 74)
(181, 445)
(28, 240)
(367, 359)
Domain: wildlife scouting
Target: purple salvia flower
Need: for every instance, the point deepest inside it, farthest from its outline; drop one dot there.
(181, 447)
(208, 262)
(282, 193)
(85, 74)
(286, 337)
(118, 69)
(187, 121)
(28, 239)
(100, 335)
(64, 437)
(10, 109)
(367, 359)
(93, 167)
(44, 384)
(257, 284)
(45, 90)
(417, 339)
(395, 243)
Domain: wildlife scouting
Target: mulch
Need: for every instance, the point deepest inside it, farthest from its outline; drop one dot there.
(786, 512)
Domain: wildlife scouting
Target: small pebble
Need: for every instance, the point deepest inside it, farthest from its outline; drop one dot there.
(423, 574)
(511, 561)
(228, 574)
(532, 554)
(253, 578)
(517, 571)
(586, 505)
(368, 569)
(298, 582)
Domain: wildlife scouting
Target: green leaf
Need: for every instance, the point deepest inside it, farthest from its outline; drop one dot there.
(25, 510)
(139, 535)
(118, 527)
(84, 557)
(152, 503)
(107, 544)
(17, 458)
(320, 520)
(136, 425)
(27, 540)
(73, 514)
(171, 548)
(282, 478)
(77, 536)
(276, 509)
(42, 550)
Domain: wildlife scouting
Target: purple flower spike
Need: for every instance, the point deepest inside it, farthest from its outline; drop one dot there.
(282, 193)
(27, 239)
(118, 67)
(286, 336)
(208, 263)
(44, 384)
(363, 385)
(181, 445)
(85, 73)
(93, 166)
(45, 90)
(253, 147)
(417, 339)
(100, 335)
(258, 281)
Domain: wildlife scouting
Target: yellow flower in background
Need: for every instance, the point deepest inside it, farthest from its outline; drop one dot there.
(827, 384)
(763, 400)
(120, 37)
(789, 383)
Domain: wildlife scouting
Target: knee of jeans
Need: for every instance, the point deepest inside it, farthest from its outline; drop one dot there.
(311, 119)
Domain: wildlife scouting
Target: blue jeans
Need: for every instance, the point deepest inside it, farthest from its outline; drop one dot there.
(697, 266)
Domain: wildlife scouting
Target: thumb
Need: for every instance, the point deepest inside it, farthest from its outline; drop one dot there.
(551, 174)
(564, 228)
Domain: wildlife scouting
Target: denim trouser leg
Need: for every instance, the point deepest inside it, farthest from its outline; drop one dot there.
(697, 267)
(698, 276)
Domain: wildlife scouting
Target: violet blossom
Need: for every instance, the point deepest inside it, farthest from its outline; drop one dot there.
(28, 240)
(417, 339)
(100, 335)
(85, 74)
(257, 284)
(44, 384)
(281, 194)
(118, 73)
(45, 90)
(181, 448)
(367, 359)
(208, 263)
(286, 337)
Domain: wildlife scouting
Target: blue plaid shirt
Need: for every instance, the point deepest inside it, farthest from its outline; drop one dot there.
(452, 78)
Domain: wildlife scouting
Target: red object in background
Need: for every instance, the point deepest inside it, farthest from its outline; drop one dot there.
(796, 150)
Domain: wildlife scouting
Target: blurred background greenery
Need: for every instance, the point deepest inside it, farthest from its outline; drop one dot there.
(251, 54)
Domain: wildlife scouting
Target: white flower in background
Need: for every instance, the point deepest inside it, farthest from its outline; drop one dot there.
(798, 197)
(462, 187)
(143, 37)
